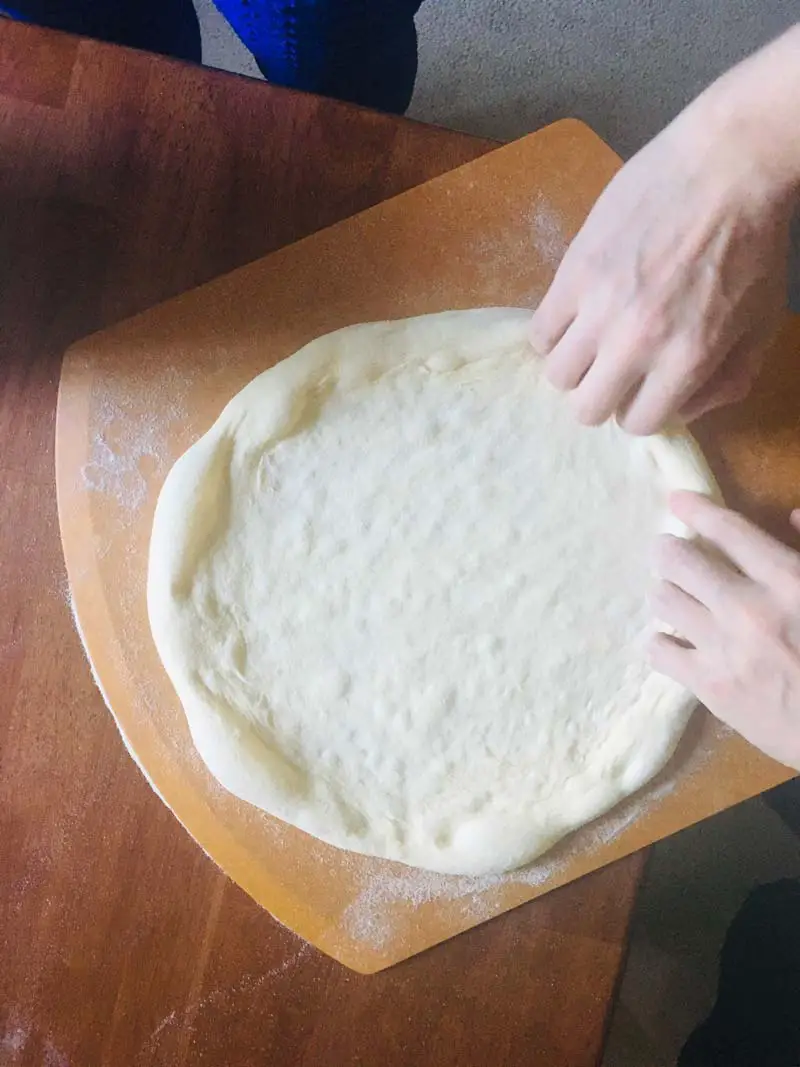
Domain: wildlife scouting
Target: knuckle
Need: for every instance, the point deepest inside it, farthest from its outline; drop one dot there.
(733, 520)
(689, 363)
(647, 325)
(659, 651)
(673, 553)
(662, 601)
(792, 563)
(661, 595)
(762, 618)
(718, 690)
(791, 571)
(721, 523)
(790, 587)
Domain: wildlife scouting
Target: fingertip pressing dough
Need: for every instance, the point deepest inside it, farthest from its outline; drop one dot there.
(401, 595)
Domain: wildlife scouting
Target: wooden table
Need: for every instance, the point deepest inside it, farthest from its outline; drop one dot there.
(125, 178)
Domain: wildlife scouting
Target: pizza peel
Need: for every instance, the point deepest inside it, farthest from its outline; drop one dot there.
(134, 397)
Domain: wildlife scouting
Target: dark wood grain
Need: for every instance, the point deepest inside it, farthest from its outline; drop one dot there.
(124, 179)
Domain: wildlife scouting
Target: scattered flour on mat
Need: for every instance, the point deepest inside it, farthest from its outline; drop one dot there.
(132, 421)
(514, 265)
(220, 999)
(371, 916)
(15, 1039)
(53, 1056)
(547, 232)
(379, 912)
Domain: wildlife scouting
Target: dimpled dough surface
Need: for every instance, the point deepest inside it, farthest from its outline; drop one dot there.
(401, 596)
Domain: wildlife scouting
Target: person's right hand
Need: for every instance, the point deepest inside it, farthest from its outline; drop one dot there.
(737, 614)
(666, 298)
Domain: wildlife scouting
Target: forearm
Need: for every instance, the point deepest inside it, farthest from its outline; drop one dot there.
(755, 109)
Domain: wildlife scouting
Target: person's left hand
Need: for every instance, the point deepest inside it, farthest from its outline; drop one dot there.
(738, 619)
(664, 302)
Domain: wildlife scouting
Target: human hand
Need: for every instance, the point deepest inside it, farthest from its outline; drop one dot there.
(666, 298)
(741, 616)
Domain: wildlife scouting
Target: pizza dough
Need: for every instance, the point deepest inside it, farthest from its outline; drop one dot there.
(401, 595)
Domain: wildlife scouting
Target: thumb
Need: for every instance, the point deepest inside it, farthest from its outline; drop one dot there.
(730, 382)
(794, 519)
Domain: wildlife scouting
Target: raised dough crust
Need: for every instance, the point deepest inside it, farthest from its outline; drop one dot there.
(400, 595)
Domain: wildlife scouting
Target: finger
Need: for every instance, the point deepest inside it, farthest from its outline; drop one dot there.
(794, 519)
(662, 393)
(758, 555)
(731, 382)
(708, 579)
(625, 406)
(670, 657)
(682, 613)
(571, 358)
(607, 385)
(553, 317)
(718, 393)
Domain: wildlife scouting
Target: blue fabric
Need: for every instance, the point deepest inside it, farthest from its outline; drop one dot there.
(359, 50)
(169, 27)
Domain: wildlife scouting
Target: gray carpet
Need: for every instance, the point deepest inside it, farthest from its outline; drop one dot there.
(502, 68)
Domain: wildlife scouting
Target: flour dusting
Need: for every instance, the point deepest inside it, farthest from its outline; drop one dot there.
(132, 430)
(53, 1056)
(547, 231)
(14, 1040)
(380, 911)
(219, 998)
(371, 918)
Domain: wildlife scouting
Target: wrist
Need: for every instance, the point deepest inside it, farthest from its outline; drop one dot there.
(749, 123)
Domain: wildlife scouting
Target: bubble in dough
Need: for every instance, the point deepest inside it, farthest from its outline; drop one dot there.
(401, 595)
